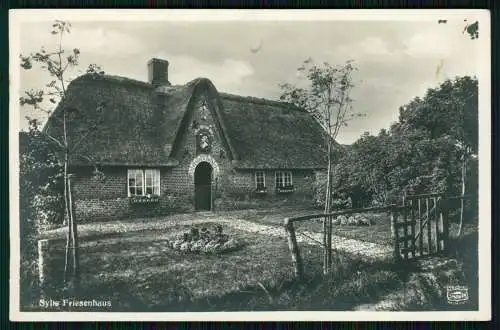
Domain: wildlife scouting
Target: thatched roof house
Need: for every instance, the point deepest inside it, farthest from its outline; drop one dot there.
(126, 126)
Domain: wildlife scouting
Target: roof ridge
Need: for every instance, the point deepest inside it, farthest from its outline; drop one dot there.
(125, 80)
(257, 100)
(113, 78)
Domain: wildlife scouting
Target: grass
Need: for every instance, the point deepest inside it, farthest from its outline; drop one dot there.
(150, 269)
(137, 272)
(128, 263)
(379, 232)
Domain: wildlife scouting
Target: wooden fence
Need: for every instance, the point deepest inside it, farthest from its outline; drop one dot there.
(292, 239)
(419, 227)
(424, 229)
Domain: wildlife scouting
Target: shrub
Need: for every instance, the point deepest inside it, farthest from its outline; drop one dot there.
(49, 209)
(40, 184)
(338, 201)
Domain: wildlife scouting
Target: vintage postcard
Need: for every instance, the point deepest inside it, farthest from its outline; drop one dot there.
(250, 165)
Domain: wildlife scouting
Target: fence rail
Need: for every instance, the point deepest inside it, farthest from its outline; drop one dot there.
(343, 212)
(441, 196)
(292, 238)
(422, 215)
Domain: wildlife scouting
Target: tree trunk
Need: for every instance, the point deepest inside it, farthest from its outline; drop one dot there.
(74, 239)
(462, 201)
(330, 223)
(66, 218)
(326, 234)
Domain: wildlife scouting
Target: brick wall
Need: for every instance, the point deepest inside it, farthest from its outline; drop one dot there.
(107, 199)
(238, 190)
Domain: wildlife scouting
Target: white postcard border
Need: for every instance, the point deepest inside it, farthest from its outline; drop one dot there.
(19, 16)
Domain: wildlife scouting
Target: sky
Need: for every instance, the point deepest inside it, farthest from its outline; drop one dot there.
(397, 59)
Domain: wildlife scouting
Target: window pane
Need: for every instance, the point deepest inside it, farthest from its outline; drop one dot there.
(135, 182)
(149, 190)
(155, 183)
(259, 179)
(133, 173)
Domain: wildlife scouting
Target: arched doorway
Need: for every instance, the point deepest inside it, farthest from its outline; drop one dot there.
(203, 187)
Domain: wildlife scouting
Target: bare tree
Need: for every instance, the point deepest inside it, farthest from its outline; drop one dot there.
(326, 97)
(57, 64)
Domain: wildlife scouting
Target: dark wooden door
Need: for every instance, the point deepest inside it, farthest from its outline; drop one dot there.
(203, 187)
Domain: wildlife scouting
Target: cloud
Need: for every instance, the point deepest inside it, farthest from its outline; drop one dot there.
(430, 43)
(227, 74)
(369, 49)
(397, 60)
(91, 40)
(105, 42)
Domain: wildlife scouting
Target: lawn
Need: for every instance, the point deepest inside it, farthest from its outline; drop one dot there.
(138, 272)
(129, 263)
(379, 232)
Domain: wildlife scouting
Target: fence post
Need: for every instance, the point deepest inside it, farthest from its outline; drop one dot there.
(43, 245)
(412, 228)
(44, 267)
(436, 227)
(294, 249)
(429, 228)
(445, 222)
(420, 225)
(395, 234)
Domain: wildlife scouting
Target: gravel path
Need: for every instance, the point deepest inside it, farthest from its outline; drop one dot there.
(352, 246)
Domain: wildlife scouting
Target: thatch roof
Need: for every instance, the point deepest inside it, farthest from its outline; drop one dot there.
(138, 124)
(270, 134)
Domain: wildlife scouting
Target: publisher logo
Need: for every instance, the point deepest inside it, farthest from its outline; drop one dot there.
(457, 294)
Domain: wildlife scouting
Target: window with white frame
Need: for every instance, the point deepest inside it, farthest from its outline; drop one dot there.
(143, 182)
(283, 179)
(260, 180)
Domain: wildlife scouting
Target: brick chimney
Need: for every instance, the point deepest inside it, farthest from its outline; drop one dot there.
(158, 72)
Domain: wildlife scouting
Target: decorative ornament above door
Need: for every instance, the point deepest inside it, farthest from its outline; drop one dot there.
(204, 139)
(204, 111)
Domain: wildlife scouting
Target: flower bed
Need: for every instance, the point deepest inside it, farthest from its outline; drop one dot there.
(285, 190)
(204, 241)
(356, 220)
(144, 199)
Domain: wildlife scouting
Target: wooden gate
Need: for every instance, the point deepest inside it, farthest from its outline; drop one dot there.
(423, 227)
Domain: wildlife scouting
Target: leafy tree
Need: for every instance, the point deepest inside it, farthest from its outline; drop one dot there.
(449, 112)
(57, 64)
(327, 98)
(41, 174)
(429, 149)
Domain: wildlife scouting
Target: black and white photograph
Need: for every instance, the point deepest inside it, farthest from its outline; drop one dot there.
(250, 165)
